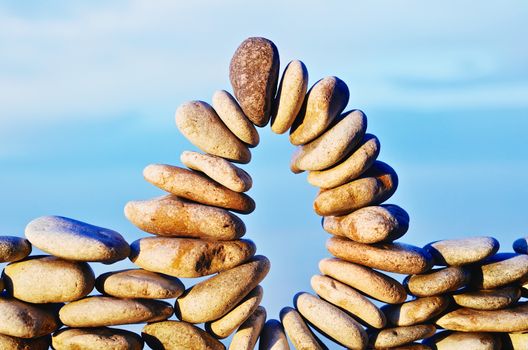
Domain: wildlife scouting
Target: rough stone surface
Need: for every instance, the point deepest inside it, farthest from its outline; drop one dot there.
(273, 337)
(464, 340)
(492, 299)
(248, 333)
(438, 281)
(175, 335)
(462, 251)
(415, 311)
(297, 330)
(96, 339)
(13, 248)
(500, 270)
(13, 343)
(392, 337)
(24, 320)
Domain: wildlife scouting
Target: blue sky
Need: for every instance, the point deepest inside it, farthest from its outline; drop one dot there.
(88, 91)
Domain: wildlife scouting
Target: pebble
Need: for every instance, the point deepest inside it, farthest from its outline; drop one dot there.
(227, 324)
(234, 118)
(290, 97)
(137, 283)
(374, 224)
(499, 270)
(218, 169)
(193, 186)
(176, 217)
(456, 252)
(213, 298)
(254, 71)
(392, 337)
(248, 333)
(24, 320)
(392, 257)
(13, 248)
(448, 340)
(415, 311)
(297, 330)
(520, 246)
(187, 257)
(96, 339)
(99, 311)
(48, 279)
(370, 282)
(13, 343)
(357, 162)
(333, 145)
(75, 240)
(348, 299)
(273, 337)
(492, 299)
(375, 186)
(176, 335)
(438, 281)
(323, 103)
(200, 124)
(517, 341)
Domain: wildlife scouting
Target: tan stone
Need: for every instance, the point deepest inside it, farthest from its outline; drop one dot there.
(213, 298)
(75, 240)
(227, 324)
(357, 162)
(297, 330)
(176, 335)
(370, 224)
(492, 299)
(411, 346)
(333, 145)
(323, 103)
(520, 245)
(456, 252)
(374, 187)
(331, 321)
(96, 339)
(392, 337)
(290, 97)
(13, 248)
(234, 118)
(186, 257)
(13, 343)
(448, 340)
(48, 279)
(393, 257)
(273, 337)
(415, 311)
(137, 283)
(200, 124)
(438, 281)
(517, 341)
(175, 217)
(248, 333)
(99, 311)
(218, 169)
(254, 71)
(370, 282)
(348, 299)
(500, 270)
(24, 320)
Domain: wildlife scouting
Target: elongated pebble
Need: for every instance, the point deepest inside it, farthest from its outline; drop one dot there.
(25, 320)
(392, 337)
(175, 217)
(273, 337)
(415, 311)
(521, 245)
(200, 124)
(13, 248)
(456, 252)
(516, 341)
(499, 270)
(96, 339)
(13, 343)
(448, 340)
(187, 257)
(176, 335)
(490, 299)
(438, 281)
(297, 330)
(248, 333)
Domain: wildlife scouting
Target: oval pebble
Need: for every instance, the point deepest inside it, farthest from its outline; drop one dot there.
(297, 330)
(520, 245)
(448, 340)
(499, 270)
(456, 252)
(415, 311)
(13, 343)
(491, 299)
(392, 337)
(176, 335)
(248, 333)
(24, 320)
(96, 339)
(438, 281)
(13, 248)
(273, 337)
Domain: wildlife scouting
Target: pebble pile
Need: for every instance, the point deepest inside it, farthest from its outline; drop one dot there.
(455, 294)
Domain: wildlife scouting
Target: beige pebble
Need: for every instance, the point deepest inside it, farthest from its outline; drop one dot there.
(187, 257)
(96, 339)
(227, 324)
(218, 169)
(331, 321)
(193, 186)
(499, 270)
(137, 283)
(411, 346)
(392, 337)
(48, 279)
(370, 282)
(234, 118)
(13, 248)
(357, 162)
(253, 72)
(448, 340)
(374, 187)
(491, 299)
(213, 298)
(200, 124)
(248, 333)
(176, 217)
(456, 252)
(323, 103)
(392, 257)
(25, 320)
(370, 224)
(99, 311)
(13, 343)
(273, 337)
(176, 335)
(520, 245)
(516, 341)
(415, 311)
(290, 97)
(75, 240)
(438, 281)
(349, 300)
(297, 330)
(333, 145)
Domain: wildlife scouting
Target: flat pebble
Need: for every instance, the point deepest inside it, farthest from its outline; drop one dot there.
(438, 281)
(491, 299)
(75, 240)
(96, 339)
(500, 270)
(456, 252)
(516, 341)
(24, 320)
(273, 337)
(175, 217)
(13, 248)
(297, 330)
(248, 333)
(200, 124)
(448, 340)
(13, 343)
(415, 311)
(175, 335)
(520, 245)
(392, 337)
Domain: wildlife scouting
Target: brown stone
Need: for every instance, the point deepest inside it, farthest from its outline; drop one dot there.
(175, 335)
(392, 337)
(25, 320)
(273, 337)
(415, 311)
(96, 339)
(13, 343)
(297, 330)
(438, 281)
(247, 334)
(491, 299)
(456, 252)
(500, 270)
(448, 340)
(13, 248)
